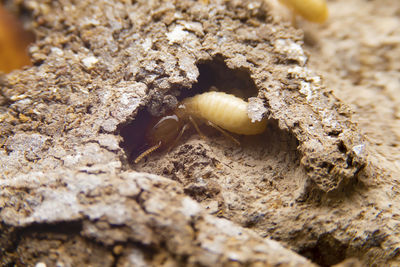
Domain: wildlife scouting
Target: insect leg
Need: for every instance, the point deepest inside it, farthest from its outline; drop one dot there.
(178, 137)
(223, 132)
(197, 128)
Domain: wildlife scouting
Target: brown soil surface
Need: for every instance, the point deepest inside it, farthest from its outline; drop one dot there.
(319, 186)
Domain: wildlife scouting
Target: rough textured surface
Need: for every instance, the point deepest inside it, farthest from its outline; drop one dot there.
(71, 124)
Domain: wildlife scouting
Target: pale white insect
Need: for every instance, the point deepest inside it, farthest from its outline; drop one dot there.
(217, 109)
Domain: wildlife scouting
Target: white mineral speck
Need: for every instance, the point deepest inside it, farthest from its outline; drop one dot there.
(89, 62)
(251, 6)
(110, 125)
(359, 149)
(40, 264)
(291, 50)
(305, 89)
(147, 44)
(226, 227)
(298, 72)
(190, 207)
(90, 22)
(57, 51)
(108, 141)
(136, 258)
(177, 34)
(195, 27)
(256, 109)
(33, 49)
(187, 63)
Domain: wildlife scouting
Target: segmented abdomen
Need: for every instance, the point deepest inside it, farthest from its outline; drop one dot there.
(227, 111)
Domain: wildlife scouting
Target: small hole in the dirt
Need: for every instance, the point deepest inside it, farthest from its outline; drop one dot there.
(342, 147)
(134, 139)
(89, 109)
(334, 133)
(326, 252)
(214, 75)
(14, 42)
(327, 165)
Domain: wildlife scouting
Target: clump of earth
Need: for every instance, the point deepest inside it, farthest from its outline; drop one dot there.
(318, 187)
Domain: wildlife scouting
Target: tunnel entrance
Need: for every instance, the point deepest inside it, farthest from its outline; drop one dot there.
(214, 75)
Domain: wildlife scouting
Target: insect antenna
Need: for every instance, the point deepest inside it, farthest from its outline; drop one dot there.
(194, 123)
(147, 152)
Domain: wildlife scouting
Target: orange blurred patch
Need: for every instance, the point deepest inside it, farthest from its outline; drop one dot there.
(14, 41)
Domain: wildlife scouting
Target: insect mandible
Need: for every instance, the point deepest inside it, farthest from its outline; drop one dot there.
(224, 112)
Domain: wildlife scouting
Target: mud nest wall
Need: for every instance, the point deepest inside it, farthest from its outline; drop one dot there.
(72, 123)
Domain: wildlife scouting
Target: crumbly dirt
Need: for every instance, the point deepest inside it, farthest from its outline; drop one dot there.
(319, 186)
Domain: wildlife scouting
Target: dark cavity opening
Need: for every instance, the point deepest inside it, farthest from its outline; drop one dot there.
(134, 135)
(14, 38)
(213, 75)
(326, 252)
(216, 75)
